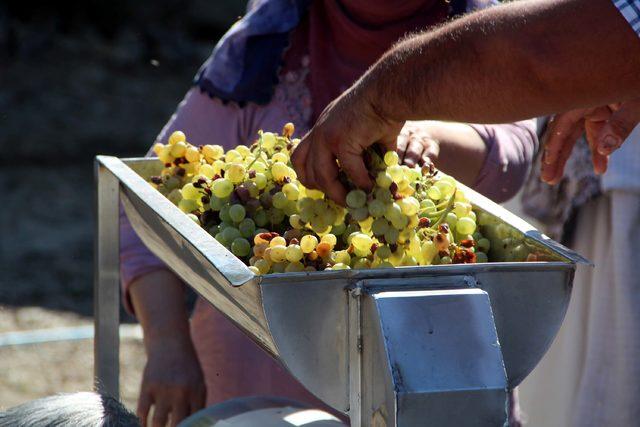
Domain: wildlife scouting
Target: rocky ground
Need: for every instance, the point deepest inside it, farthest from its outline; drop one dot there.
(78, 79)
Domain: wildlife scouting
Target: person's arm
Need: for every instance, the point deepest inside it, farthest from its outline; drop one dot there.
(522, 59)
(172, 380)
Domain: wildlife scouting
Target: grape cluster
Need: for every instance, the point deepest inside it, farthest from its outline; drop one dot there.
(250, 200)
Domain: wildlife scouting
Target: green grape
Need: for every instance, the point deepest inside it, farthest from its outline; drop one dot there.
(235, 173)
(216, 203)
(291, 190)
(361, 241)
(386, 264)
(445, 187)
(338, 229)
(263, 266)
(222, 188)
(377, 208)
(294, 253)
(360, 213)
(296, 222)
(451, 219)
(340, 266)
(342, 257)
(465, 225)
(268, 140)
(391, 235)
(429, 250)
(276, 216)
(308, 243)
(231, 233)
(331, 239)
(400, 222)
(383, 252)
(445, 260)
(481, 257)
(461, 209)
(261, 180)
(280, 171)
(396, 173)
(224, 214)
(261, 218)
(356, 198)
(237, 213)
(379, 226)
(391, 158)
(290, 208)
(393, 212)
(434, 193)
(320, 207)
(307, 214)
(190, 192)
(294, 267)
(240, 247)
(220, 238)
(384, 195)
(247, 228)
(383, 180)
(188, 206)
(409, 206)
(279, 200)
(278, 253)
(483, 244)
(254, 270)
(233, 156)
(409, 260)
(318, 223)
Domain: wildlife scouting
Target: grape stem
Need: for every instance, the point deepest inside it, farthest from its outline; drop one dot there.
(446, 210)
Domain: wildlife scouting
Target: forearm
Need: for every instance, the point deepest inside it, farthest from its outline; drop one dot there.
(158, 301)
(523, 59)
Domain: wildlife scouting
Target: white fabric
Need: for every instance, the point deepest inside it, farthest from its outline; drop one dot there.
(624, 166)
(591, 374)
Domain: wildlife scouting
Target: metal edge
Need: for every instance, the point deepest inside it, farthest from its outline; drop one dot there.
(528, 230)
(176, 219)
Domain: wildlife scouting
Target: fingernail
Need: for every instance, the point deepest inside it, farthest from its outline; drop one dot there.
(609, 143)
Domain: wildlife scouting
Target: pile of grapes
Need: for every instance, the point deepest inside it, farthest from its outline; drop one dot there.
(250, 200)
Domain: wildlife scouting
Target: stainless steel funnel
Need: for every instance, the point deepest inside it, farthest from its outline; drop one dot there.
(404, 346)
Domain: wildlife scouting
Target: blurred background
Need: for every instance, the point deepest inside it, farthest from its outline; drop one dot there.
(78, 78)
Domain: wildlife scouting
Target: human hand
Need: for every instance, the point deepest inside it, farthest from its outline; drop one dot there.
(606, 128)
(416, 146)
(172, 383)
(344, 130)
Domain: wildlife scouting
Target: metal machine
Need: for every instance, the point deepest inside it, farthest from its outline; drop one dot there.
(412, 346)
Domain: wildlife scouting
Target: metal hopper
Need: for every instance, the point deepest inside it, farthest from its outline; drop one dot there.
(434, 345)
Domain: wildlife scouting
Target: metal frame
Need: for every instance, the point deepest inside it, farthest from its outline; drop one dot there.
(106, 347)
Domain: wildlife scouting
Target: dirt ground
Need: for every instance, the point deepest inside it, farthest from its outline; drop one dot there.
(38, 370)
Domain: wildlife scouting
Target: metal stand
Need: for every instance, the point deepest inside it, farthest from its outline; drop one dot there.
(106, 306)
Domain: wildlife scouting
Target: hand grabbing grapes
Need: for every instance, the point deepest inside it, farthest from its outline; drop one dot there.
(344, 130)
(606, 128)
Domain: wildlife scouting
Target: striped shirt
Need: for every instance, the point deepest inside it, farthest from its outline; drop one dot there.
(630, 9)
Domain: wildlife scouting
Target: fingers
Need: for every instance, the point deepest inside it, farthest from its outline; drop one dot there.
(592, 130)
(299, 158)
(326, 177)
(414, 153)
(352, 163)
(144, 404)
(560, 127)
(403, 140)
(561, 136)
(179, 412)
(621, 123)
(160, 415)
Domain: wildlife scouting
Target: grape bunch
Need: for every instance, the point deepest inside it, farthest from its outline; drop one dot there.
(249, 200)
